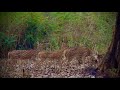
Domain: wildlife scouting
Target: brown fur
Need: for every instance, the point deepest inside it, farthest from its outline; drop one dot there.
(56, 55)
(13, 55)
(43, 55)
(21, 54)
(78, 52)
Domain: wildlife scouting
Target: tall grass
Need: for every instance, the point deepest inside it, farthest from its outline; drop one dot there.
(90, 29)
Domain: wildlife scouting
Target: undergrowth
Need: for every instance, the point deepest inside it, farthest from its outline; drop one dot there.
(90, 29)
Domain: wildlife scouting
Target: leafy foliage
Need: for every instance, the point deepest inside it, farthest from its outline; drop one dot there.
(91, 29)
(6, 43)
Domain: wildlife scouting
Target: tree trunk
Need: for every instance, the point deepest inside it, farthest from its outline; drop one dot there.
(112, 57)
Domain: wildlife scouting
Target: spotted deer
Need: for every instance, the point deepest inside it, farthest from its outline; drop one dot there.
(22, 54)
(56, 55)
(79, 53)
(13, 54)
(43, 55)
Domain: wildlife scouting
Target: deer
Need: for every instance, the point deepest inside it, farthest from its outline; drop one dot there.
(80, 53)
(53, 55)
(42, 55)
(56, 55)
(13, 54)
(22, 54)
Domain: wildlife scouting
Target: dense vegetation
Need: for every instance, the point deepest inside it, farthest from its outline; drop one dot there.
(18, 30)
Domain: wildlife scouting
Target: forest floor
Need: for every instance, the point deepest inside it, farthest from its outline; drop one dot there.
(16, 68)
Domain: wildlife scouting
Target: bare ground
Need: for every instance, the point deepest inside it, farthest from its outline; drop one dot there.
(16, 68)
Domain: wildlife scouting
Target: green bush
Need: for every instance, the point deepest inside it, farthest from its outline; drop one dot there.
(7, 42)
(90, 29)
